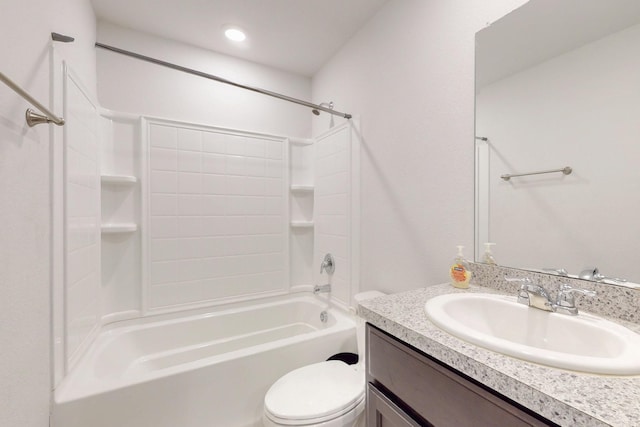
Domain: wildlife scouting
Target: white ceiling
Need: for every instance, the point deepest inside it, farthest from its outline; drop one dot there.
(543, 29)
(292, 35)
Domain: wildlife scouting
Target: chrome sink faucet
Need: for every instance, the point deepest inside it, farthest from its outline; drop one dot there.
(537, 296)
(532, 295)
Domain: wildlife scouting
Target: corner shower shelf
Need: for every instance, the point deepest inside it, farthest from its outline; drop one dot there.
(301, 224)
(119, 228)
(302, 188)
(300, 141)
(118, 179)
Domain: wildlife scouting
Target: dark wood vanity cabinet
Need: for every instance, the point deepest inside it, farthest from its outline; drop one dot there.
(406, 388)
(382, 412)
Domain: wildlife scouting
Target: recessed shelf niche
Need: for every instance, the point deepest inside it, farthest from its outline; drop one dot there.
(302, 224)
(118, 228)
(118, 179)
(121, 194)
(301, 191)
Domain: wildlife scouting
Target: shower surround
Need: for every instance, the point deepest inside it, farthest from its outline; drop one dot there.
(161, 217)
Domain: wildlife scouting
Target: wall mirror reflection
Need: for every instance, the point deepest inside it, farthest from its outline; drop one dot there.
(558, 85)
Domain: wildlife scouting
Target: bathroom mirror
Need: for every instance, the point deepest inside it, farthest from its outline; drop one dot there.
(558, 85)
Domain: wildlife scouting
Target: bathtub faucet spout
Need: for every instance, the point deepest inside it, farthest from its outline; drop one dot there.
(324, 288)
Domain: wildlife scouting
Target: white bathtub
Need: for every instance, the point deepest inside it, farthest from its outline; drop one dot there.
(208, 369)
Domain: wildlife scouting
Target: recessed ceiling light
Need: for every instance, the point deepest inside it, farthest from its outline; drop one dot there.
(235, 34)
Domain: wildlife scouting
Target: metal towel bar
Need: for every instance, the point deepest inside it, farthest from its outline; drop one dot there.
(566, 170)
(31, 116)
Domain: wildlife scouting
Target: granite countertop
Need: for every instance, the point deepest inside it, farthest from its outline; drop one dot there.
(565, 397)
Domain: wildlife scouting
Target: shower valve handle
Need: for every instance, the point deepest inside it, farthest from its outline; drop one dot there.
(328, 264)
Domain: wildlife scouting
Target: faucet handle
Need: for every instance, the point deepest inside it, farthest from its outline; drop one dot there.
(590, 273)
(525, 282)
(328, 264)
(566, 298)
(523, 295)
(568, 291)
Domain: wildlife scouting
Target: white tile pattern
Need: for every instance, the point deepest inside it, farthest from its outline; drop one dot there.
(82, 219)
(216, 215)
(332, 209)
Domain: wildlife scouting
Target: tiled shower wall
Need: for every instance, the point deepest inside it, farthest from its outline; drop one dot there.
(217, 219)
(333, 210)
(82, 219)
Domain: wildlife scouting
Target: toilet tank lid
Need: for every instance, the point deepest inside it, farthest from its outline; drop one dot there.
(363, 296)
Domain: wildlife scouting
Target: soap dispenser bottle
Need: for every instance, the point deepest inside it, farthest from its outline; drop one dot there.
(488, 258)
(459, 271)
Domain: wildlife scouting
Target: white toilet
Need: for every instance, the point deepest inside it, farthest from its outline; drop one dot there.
(324, 394)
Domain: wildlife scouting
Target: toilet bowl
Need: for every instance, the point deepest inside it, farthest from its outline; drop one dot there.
(324, 394)
(328, 394)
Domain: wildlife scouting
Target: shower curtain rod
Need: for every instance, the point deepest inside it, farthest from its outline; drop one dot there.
(221, 80)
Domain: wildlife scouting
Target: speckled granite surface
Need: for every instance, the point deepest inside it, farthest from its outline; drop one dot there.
(621, 302)
(565, 397)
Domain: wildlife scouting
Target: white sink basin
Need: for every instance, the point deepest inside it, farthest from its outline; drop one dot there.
(583, 343)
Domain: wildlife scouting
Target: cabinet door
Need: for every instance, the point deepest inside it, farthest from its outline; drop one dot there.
(437, 393)
(382, 412)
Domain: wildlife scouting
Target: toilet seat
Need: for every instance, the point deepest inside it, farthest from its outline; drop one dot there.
(315, 393)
